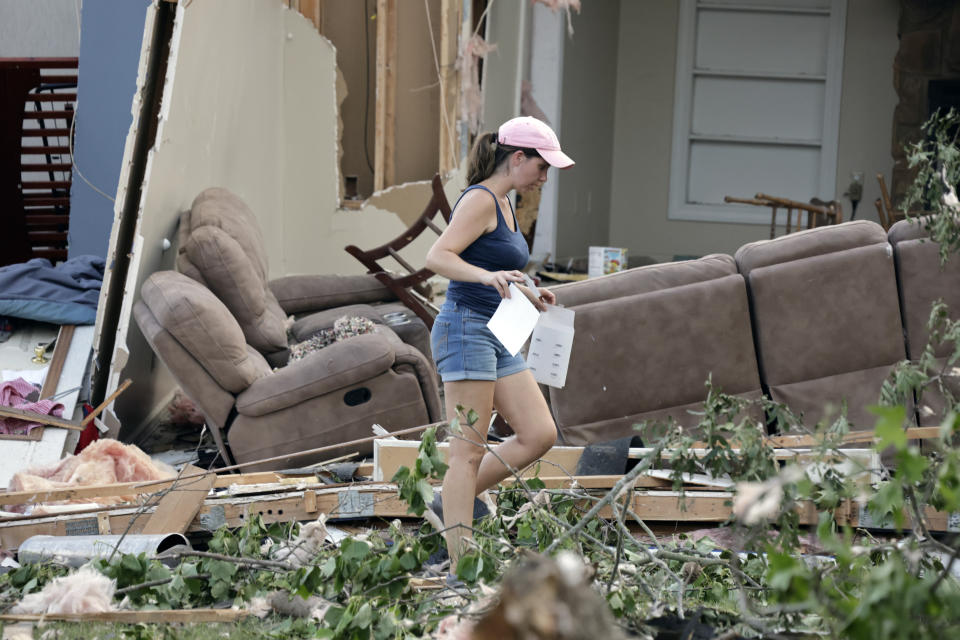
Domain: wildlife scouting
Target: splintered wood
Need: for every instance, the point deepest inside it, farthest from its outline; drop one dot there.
(203, 503)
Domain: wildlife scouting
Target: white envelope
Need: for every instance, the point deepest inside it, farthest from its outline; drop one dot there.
(513, 320)
(549, 354)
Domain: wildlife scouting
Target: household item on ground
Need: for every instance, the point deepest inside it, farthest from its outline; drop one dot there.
(255, 412)
(105, 461)
(408, 288)
(818, 211)
(64, 294)
(822, 329)
(604, 260)
(75, 551)
(221, 247)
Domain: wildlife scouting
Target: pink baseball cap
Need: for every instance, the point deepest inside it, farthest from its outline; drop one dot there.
(529, 133)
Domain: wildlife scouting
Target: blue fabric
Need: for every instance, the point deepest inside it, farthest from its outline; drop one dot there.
(65, 294)
(465, 349)
(499, 250)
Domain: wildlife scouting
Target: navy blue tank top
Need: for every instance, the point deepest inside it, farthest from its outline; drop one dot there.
(498, 250)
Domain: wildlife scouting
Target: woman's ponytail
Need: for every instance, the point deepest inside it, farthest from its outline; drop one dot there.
(483, 158)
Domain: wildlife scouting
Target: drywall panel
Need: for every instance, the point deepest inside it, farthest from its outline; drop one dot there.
(589, 89)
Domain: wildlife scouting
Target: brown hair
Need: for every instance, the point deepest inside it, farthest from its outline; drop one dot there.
(488, 154)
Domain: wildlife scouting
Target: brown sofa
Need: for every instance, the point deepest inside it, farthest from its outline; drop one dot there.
(811, 320)
(221, 246)
(329, 397)
(922, 280)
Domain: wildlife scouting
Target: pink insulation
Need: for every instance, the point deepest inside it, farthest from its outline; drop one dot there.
(103, 462)
(83, 591)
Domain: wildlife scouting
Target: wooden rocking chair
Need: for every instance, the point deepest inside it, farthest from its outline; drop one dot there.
(408, 288)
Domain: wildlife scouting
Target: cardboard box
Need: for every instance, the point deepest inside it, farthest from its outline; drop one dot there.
(604, 260)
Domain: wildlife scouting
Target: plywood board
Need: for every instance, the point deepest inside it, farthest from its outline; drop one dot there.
(179, 506)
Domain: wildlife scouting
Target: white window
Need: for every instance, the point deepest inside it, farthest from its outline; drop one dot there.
(757, 105)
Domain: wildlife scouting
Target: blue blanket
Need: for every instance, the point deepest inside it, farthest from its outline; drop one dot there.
(64, 294)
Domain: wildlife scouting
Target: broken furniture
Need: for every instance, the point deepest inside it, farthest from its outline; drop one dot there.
(409, 288)
(822, 328)
(818, 212)
(221, 246)
(885, 211)
(36, 116)
(255, 412)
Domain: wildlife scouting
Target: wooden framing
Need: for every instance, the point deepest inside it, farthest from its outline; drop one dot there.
(146, 616)
(385, 128)
(451, 23)
(367, 501)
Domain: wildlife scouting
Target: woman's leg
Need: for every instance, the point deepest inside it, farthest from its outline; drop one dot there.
(518, 398)
(464, 456)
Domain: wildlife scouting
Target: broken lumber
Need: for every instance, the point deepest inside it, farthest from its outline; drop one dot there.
(155, 616)
(177, 508)
(50, 421)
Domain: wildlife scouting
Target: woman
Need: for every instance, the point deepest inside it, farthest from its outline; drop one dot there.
(482, 251)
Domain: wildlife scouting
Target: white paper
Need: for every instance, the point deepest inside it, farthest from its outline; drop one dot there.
(549, 353)
(514, 320)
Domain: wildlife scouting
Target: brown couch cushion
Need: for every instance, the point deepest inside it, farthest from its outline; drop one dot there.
(826, 316)
(652, 351)
(205, 328)
(923, 281)
(234, 277)
(646, 279)
(306, 293)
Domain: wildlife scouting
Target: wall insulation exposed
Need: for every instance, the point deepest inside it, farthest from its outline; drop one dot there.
(249, 103)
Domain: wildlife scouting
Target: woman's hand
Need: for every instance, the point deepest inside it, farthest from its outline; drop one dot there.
(500, 280)
(539, 297)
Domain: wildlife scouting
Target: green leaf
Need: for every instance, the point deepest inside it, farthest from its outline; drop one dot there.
(363, 617)
(221, 570)
(469, 567)
(889, 427)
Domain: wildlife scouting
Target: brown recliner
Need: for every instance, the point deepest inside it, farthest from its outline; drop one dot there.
(922, 281)
(646, 341)
(826, 317)
(221, 246)
(331, 396)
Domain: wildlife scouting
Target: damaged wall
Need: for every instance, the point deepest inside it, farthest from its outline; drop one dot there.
(267, 130)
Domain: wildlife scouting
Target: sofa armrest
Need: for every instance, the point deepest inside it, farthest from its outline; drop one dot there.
(337, 366)
(304, 294)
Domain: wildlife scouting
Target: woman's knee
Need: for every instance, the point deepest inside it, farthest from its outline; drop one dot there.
(539, 438)
(466, 458)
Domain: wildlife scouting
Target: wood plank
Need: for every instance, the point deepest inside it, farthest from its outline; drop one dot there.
(155, 616)
(385, 124)
(178, 508)
(128, 488)
(52, 421)
(52, 379)
(390, 455)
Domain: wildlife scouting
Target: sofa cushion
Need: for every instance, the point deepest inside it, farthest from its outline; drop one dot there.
(205, 328)
(826, 317)
(235, 278)
(923, 280)
(808, 243)
(646, 279)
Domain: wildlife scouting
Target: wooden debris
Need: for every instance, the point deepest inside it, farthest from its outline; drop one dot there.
(178, 508)
(161, 616)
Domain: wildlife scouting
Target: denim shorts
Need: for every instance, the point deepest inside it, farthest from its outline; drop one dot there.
(465, 349)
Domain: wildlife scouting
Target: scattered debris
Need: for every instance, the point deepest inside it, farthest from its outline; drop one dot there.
(86, 590)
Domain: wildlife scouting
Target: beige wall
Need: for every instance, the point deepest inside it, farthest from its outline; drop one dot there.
(265, 129)
(643, 121)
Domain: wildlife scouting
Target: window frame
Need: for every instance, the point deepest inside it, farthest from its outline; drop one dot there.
(678, 207)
